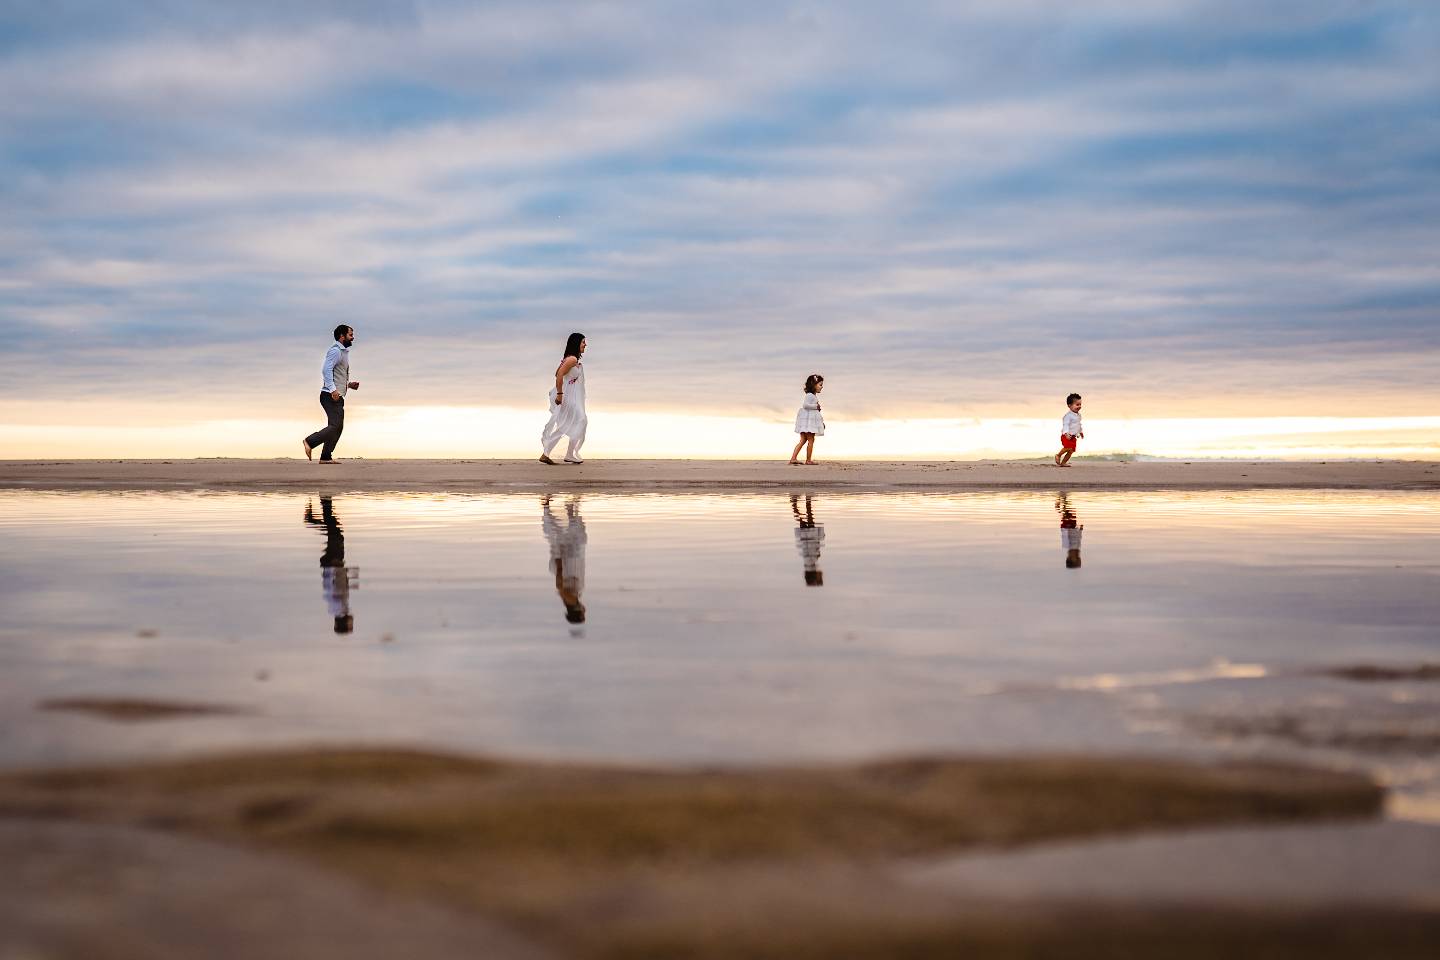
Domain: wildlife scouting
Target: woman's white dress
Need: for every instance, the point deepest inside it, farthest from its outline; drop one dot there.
(809, 419)
(569, 418)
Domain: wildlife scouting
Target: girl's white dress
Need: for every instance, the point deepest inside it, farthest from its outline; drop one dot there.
(809, 419)
(569, 418)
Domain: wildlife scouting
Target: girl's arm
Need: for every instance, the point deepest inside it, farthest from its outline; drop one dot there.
(811, 402)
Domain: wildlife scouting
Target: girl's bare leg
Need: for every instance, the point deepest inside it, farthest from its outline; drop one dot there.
(809, 448)
(796, 452)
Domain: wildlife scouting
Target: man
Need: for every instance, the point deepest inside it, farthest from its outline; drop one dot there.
(336, 380)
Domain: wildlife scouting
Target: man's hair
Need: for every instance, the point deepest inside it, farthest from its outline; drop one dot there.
(1071, 399)
(341, 330)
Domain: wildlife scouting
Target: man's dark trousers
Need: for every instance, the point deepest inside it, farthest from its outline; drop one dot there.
(335, 417)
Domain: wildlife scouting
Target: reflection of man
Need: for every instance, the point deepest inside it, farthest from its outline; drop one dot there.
(809, 535)
(1070, 531)
(567, 555)
(335, 577)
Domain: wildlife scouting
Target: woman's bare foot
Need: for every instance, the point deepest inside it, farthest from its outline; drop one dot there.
(809, 463)
(794, 463)
(545, 459)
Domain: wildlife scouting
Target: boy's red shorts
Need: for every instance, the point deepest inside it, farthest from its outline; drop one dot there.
(1067, 441)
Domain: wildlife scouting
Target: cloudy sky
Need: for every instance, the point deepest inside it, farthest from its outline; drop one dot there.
(954, 210)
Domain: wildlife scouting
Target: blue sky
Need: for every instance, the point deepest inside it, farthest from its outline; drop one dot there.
(952, 209)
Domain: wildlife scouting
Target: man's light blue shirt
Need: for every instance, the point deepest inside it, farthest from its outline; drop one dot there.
(336, 371)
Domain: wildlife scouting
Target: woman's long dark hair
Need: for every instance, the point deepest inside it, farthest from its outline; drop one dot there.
(811, 380)
(572, 346)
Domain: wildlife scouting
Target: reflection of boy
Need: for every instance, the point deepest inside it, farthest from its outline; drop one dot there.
(1070, 532)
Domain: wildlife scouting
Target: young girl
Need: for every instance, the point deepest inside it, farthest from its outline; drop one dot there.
(567, 404)
(809, 422)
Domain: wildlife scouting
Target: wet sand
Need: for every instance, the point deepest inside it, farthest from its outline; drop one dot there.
(645, 475)
(591, 861)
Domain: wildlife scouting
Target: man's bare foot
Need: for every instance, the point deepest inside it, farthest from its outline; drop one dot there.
(323, 460)
(545, 459)
(308, 448)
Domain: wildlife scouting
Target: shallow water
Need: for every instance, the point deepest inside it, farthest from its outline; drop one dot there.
(727, 627)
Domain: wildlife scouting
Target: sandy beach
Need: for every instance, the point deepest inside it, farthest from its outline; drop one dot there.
(463, 475)
(920, 857)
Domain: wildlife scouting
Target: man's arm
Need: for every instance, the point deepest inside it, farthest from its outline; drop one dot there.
(332, 356)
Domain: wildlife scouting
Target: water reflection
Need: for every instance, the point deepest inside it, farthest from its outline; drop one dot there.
(1071, 530)
(336, 579)
(808, 537)
(567, 541)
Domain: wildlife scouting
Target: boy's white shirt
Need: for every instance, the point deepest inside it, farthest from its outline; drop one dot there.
(1071, 426)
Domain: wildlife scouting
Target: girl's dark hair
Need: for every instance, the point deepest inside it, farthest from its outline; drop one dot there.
(572, 346)
(811, 380)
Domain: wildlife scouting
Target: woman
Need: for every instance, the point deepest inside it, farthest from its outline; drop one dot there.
(567, 404)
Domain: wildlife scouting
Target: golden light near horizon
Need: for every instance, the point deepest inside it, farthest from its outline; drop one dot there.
(512, 432)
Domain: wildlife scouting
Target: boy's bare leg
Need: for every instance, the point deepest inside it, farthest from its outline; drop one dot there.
(1059, 455)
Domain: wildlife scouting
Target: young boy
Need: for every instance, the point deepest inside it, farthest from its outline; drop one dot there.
(1070, 428)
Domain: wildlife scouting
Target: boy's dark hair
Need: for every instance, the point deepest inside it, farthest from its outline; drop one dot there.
(811, 380)
(341, 330)
(345, 624)
(572, 345)
(1071, 399)
(1072, 560)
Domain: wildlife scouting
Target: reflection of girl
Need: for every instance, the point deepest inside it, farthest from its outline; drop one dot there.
(809, 422)
(567, 555)
(809, 535)
(567, 404)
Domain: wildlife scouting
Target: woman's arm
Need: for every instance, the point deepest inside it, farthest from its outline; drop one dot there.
(565, 367)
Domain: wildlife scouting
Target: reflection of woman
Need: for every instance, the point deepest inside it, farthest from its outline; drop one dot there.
(567, 555)
(567, 404)
(808, 537)
(1070, 531)
(334, 575)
